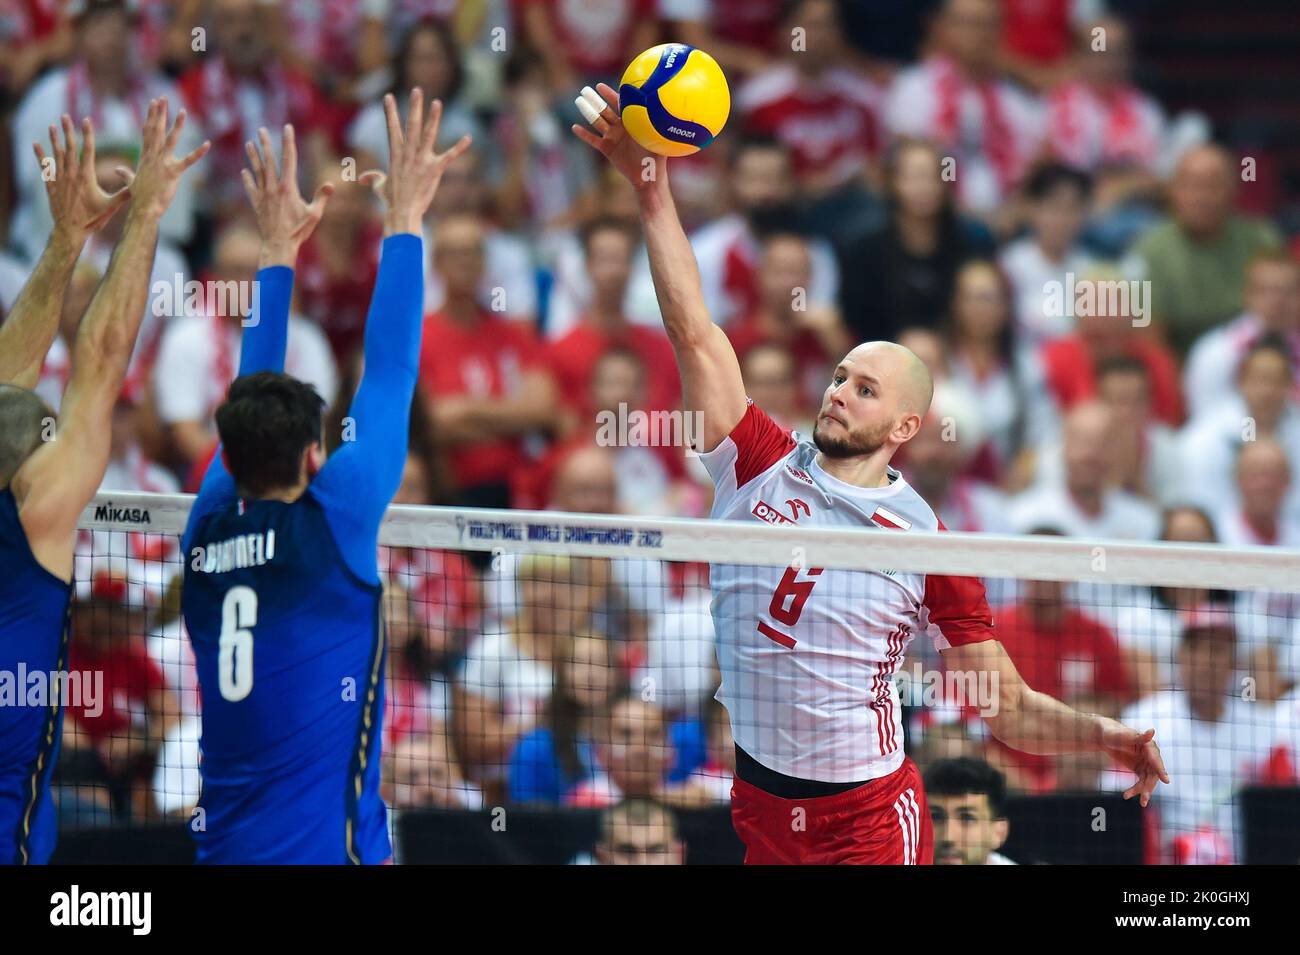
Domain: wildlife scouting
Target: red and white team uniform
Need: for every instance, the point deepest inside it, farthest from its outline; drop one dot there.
(807, 653)
(1091, 129)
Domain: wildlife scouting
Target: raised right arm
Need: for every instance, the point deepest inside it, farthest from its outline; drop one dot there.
(711, 380)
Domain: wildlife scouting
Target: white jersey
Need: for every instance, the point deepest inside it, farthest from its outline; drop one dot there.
(807, 653)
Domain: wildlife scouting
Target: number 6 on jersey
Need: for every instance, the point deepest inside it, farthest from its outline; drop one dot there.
(235, 659)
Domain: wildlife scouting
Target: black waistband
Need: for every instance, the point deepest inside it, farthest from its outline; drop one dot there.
(782, 786)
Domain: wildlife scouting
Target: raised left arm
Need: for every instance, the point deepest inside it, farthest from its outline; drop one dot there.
(1034, 722)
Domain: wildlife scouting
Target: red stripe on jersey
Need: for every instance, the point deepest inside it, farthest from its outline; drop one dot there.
(760, 443)
(772, 634)
(886, 518)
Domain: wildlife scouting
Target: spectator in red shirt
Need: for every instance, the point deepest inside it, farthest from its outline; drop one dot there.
(133, 709)
(1070, 363)
(338, 264)
(482, 375)
(588, 42)
(609, 244)
(814, 334)
(827, 114)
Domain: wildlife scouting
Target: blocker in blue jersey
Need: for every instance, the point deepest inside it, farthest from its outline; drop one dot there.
(50, 467)
(282, 598)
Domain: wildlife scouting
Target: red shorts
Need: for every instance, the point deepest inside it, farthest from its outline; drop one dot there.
(883, 822)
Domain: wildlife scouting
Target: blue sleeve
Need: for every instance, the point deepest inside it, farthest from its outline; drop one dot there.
(690, 748)
(361, 477)
(262, 348)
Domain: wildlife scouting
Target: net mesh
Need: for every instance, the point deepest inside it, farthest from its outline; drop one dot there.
(551, 685)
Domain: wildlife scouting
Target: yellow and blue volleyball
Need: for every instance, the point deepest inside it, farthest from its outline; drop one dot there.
(674, 99)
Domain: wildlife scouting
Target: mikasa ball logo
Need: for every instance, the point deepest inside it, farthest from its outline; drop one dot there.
(672, 55)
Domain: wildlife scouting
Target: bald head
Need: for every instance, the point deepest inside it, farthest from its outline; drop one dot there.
(879, 395)
(1202, 189)
(23, 417)
(902, 374)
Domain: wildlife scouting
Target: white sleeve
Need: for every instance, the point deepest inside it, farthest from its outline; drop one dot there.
(908, 105)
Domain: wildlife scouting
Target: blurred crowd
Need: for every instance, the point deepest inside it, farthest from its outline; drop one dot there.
(944, 174)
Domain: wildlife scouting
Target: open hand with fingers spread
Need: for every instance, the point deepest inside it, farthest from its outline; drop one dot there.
(642, 168)
(284, 219)
(414, 169)
(78, 205)
(159, 171)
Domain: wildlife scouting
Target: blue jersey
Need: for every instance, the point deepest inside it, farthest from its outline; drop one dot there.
(289, 646)
(283, 606)
(34, 607)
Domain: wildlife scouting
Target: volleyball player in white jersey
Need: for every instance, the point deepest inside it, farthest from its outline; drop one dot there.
(807, 653)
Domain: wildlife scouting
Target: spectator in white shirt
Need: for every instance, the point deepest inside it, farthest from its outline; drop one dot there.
(1220, 738)
(1263, 408)
(1085, 502)
(957, 99)
(199, 354)
(107, 82)
(1058, 197)
(1264, 479)
(1272, 308)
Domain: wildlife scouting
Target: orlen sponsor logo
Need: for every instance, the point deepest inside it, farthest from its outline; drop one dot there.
(766, 512)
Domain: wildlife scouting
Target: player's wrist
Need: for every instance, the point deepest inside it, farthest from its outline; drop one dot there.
(277, 252)
(397, 222)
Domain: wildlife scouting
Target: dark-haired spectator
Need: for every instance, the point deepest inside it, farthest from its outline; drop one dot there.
(609, 245)
(103, 80)
(199, 353)
(1146, 457)
(1058, 206)
(342, 46)
(482, 374)
(1262, 408)
(956, 98)
(1272, 308)
(771, 375)
(900, 274)
(1005, 380)
(1112, 325)
(427, 56)
(553, 758)
(825, 113)
(1196, 258)
(968, 808)
(814, 334)
(633, 756)
(639, 832)
(242, 85)
(937, 457)
(507, 281)
(762, 200)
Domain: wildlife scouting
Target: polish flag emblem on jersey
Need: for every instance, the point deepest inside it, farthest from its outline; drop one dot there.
(887, 518)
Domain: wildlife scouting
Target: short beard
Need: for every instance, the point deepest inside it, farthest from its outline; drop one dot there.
(857, 444)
